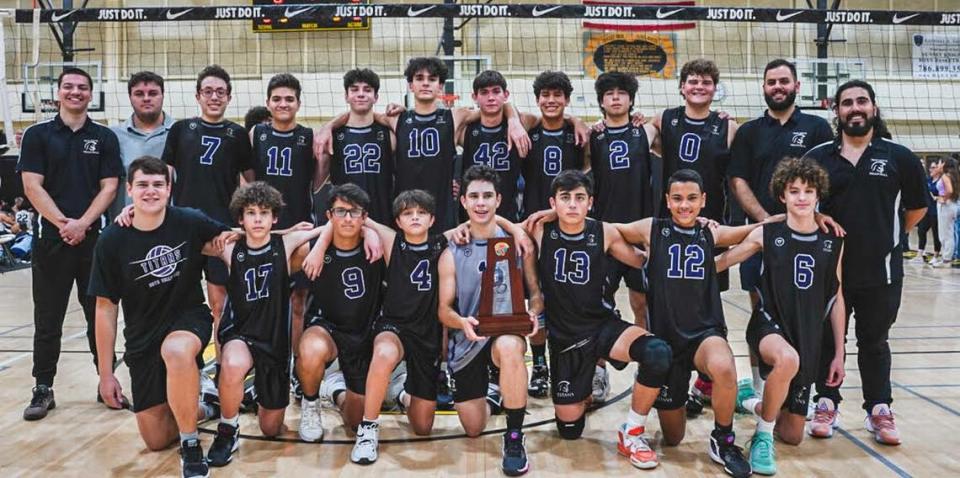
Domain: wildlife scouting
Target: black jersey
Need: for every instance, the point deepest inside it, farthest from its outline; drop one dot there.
(412, 278)
(551, 151)
(426, 153)
(258, 292)
(208, 159)
(347, 294)
(488, 146)
(155, 275)
(798, 287)
(364, 156)
(622, 170)
(284, 160)
(574, 279)
(684, 294)
(700, 145)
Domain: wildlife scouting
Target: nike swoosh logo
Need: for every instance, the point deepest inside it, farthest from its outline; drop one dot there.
(174, 16)
(781, 17)
(412, 12)
(57, 18)
(292, 13)
(662, 15)
(897, 20)
(539, 13)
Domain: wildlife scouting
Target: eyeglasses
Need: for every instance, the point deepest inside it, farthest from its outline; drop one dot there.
(354, 213)
(209, 93)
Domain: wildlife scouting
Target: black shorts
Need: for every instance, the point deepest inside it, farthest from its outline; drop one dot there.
(215, 271)
(148, 372)
(299, 280)
(674, 393)
(636, 279)
(471, 381)
(798, 397)
(422, 359)
(271, 379)
(354, 351)
(750, 272)
(572, 364)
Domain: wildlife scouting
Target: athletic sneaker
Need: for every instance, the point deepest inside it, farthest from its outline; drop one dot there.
(224, 444)
(444, 393)
(632, 444)
(539, 381)
(368, 440)
(311, 426)
(724, 450)
(124, 401)
(826, 419)
(601, 384)
(208, 389)
(763, 457)
(494, 399)
(744, 391)
(332, 383)
(514, 453)
(880, 422)
(694, 405)
(397, 381)
(938, 263)
(40, 404)
(192, 463)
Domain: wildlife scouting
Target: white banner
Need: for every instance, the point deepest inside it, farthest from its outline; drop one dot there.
(936, 56)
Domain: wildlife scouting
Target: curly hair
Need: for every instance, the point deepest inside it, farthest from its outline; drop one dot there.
(257, 193)
(701, 67)
(804, 169)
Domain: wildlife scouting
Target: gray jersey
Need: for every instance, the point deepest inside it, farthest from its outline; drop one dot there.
(469, 261)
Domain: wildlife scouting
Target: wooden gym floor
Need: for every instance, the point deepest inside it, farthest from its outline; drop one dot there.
(82, 438)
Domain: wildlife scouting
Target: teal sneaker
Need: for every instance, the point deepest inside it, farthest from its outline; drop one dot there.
(763, 458)
(744, 391)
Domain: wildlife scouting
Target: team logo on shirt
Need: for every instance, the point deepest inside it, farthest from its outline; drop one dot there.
(563, 389)
(327, 259)
(570, 138)
(440, 120)
(779, 242)
(263, 137)
(241, 257)
(878, 167)
(379, 135)
(160, 262)
(715, 130)
(476, 133)
(90, 146)
(828, 246)
(301, 140)
(554, 235)
(799, 138)
(193, 125)
(636, 132)
(665, 232)
(409, 120)
(674, 122)
(591, 239)
(535, 137)
(230, 132)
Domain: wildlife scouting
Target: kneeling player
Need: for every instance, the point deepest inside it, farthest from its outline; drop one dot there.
(255, 330)
(154, 269)
(799, 289)
(583, 325)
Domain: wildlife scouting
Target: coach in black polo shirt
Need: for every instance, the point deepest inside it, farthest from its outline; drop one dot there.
(871, 178)
(70, 168)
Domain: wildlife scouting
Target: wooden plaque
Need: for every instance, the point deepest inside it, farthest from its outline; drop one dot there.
(502, 310)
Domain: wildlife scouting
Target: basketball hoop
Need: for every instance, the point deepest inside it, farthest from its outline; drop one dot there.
(449, 100)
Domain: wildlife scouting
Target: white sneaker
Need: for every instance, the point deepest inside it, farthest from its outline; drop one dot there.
(601, 384)
(365, 451)
(397, 380)
(208, 389)
(311, 426)
(332, 382)
(937, 262)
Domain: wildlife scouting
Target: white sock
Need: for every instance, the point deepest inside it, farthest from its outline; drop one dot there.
(758, 382)
(233, 422)
(404, 398)
(371, 420)
(765, 426)
(635, 420)
(751, 405)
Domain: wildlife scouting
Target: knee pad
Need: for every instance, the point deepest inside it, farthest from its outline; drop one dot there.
(571, 430)
(654, 356)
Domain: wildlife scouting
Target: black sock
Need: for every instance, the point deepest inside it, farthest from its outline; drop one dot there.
(312, 398)
(515, 417)
(719, 429)
(336, 394)
(539, 354)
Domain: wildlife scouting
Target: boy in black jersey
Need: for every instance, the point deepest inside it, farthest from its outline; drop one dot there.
(154, 269)
(799, 289)
(208, 154)
(583, 325)
(344, 302)
(255, 331)
(685, 310)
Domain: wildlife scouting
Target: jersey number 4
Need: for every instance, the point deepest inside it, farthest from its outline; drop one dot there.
(686, 262)
(421, 277)
(212, 143)
(258, 282)
(494, 155)
(576, 270)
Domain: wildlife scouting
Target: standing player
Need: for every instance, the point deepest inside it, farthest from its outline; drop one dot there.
(154, 268)
(208, 155)
(345, 301)
(800, 289)
(70, 167)
(758, 146)
(470, 355)
(363, 148)
(871, 178)
(584, 326)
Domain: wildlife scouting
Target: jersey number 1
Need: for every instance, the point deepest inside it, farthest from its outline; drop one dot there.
(278, 161)
(579, 272)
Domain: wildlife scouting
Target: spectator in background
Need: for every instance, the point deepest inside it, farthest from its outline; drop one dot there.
(947, 191)
(145, 132)
(256, 115)
(929, 221)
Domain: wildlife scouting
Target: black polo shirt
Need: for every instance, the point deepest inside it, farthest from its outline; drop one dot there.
(761, 143)
(866, 199)
(72, 164)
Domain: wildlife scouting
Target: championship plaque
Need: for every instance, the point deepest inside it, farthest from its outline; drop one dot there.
(502, 310)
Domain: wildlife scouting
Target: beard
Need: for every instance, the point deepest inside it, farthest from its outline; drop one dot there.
(148, 117)
(780, 105)
(858, 130)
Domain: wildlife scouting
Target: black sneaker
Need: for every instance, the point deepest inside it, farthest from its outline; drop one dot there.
(494, 399)
(723, 450)
(444, 392)
(539, 381)
(226, 442)
(296, 388)
(514, 453)
(40, 404)
(694, 406)
(124, 402)
(192, 463)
